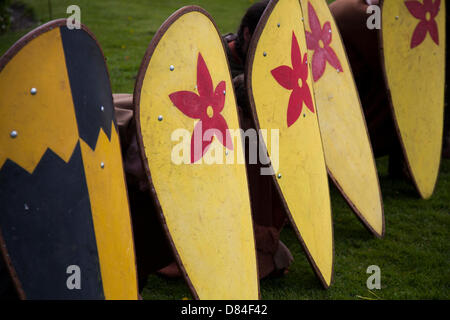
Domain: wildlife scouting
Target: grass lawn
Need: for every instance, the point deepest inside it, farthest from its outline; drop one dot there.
(414, 256)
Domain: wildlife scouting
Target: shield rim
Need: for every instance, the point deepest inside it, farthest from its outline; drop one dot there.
(350, 203)
(392, 110)
(136, 103)
(248, 76)
(4, 60)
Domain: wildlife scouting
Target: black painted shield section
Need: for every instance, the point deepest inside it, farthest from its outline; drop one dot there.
(89, 81)
(7, 290)
(46, 222)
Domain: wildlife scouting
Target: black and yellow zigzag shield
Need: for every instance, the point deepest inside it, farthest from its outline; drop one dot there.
(65, 226)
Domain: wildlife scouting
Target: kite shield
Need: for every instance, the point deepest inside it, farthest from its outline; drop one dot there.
(413, 42)
(185, 113)
(281, 94)
(65, 226)
(348, 153)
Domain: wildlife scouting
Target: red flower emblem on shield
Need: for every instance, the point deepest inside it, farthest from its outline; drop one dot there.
(426, 13)
(295, 79)
(207, 107)
(319, 40)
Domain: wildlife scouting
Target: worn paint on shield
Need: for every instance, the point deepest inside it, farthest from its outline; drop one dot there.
(52, 104)
(46, 225)
(60, 207)
(109, 203)
(205, 207)
(346, 143)
(303, 178)
(414, 59)
(100, 148)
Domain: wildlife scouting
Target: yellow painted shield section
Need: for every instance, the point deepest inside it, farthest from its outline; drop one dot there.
(110, 213)
(52, 108)
(414, 57)
(205, 206)
(301, 175)
(346, 144)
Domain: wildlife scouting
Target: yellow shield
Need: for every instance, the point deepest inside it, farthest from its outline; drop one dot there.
(413, 40)
(281, 94)
(62, 188)
(186, 113)
(348, 153)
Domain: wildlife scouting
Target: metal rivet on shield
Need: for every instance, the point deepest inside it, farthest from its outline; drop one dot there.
(102, 108)
(172, 68)
(264, 54)
(160, 118)
(13, 134)
(224, 92)
(102, 165)
(397, 17)
(303, 19)
(279, 176)
(33, 91)
(278, 25)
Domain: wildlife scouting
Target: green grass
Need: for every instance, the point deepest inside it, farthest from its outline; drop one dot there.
(125, 28)
(414, 256)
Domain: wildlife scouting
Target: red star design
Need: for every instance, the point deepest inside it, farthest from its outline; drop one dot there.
(207, 107)
(426, 13)
(295, 79)
(319, 40)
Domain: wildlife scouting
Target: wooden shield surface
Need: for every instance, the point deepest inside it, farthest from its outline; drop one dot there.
(413, 40)
(348, 152)
(281, 94)
(184, 91)
(62, 190)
